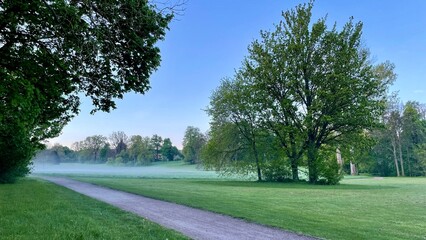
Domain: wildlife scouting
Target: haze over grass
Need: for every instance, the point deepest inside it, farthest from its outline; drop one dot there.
(176, 169)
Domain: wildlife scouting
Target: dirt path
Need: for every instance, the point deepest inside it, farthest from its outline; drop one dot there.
(194, 223)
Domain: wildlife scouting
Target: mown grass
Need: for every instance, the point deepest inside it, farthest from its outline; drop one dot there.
(35, 209)
(359, 208)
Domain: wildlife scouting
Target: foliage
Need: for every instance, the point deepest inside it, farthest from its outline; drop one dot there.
(20, 134)
(89, 149)
(119, 141)
(52, 51)
(193, 142)
(156, 143)
(234, 136)
(316, 83)
(329, 171)
(401, 141)
(277, 170)
(229, 151)
(168, 151)
(307, 85)
(138, 151)
(226, 152)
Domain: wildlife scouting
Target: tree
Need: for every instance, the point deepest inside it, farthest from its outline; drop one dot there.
(413, 138)
(105, 152)
(140, 150)
(401, 140)
(119, 141)
(54, 50)
(92, 146)
(156, 143)
(234, 127)
(316, 84)
(193, 142)
(169, 151)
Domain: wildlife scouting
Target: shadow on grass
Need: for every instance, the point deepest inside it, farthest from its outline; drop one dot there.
(298, 185)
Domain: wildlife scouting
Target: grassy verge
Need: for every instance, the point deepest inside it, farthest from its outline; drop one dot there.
(35, 209)
(359, 208)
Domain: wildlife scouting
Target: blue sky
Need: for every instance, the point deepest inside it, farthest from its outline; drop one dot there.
(209, 42)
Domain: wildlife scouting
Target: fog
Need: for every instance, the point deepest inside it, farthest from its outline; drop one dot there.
(162, 170)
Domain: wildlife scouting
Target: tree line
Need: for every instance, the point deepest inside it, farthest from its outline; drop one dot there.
(117, 149)
(398, 148)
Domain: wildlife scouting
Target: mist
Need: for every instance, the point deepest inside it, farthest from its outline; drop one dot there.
(156, 170)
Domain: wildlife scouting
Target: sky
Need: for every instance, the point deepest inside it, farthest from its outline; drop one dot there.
(209, 41)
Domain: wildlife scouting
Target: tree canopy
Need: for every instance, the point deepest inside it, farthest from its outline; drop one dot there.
(52, 52)
(311, 85)
(193, 141)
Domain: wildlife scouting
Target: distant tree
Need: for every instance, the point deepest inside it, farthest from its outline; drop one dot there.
(49, 156)
(65, 154)
(193, 142)
(105, 152)
(156, 143)
(140, 150)
(52, 51)
(119, 141)
(93, 145)
(402, 140)
(168, 151)
(413, 138)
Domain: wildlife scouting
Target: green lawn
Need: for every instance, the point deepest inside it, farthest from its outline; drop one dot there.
(359, 208)
(35, 209)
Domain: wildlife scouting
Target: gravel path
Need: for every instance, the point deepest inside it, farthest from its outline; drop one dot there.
(194, 223)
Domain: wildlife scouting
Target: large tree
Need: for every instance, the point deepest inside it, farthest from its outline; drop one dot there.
(317, 82)
(54, 50)
(313, 85)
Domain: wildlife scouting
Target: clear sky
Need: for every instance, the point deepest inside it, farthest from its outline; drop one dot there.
(209, 42)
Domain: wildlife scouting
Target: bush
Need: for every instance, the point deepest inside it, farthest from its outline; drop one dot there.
(329, 171)
(16, 151)
(276, 171)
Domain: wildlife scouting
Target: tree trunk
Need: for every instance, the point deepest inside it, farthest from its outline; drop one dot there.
(294, 159)
(400, 157)
(256, 156)
(394, 157)
(354, 171)
(312, 162)
(409, 162)
(294, 170)
(339, 160)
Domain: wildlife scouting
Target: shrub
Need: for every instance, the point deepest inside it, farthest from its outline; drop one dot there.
(276, 171)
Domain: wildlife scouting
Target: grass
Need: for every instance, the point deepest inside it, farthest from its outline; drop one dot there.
(359, 208)
(35, 209)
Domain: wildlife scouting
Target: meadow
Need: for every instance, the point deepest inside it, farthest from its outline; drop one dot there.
(358, 208)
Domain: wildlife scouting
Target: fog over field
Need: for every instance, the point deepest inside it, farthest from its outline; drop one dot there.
(158, 170)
